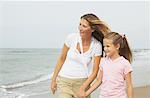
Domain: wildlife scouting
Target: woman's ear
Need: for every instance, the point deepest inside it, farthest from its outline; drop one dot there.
(93, 28)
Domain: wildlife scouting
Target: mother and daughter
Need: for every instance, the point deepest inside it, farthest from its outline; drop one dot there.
(82, 58)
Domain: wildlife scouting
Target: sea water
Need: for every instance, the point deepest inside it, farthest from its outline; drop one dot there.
(26, 72)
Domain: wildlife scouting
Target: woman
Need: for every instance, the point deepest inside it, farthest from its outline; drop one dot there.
(78, 64)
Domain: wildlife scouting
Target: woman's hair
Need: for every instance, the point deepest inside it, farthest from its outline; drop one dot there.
(99, 27)
(124, 49)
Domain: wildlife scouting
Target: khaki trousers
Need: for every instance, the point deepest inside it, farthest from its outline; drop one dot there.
(69, 87)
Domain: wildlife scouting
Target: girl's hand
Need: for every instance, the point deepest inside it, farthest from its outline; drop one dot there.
(53, 86)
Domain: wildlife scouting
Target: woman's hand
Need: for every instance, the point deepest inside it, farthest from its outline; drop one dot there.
(53, 86)
(81, 94)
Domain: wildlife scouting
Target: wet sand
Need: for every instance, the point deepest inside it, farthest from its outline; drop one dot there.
(139, 92)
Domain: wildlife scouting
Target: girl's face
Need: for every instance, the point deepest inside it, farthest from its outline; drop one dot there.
(85, 29)
(109, 48)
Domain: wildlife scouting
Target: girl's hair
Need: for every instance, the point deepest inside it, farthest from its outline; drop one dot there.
(124, 49)
(99, 27)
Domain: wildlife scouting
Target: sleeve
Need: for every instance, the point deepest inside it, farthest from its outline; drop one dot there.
(68, 40)
(127, 68)
(98, 49)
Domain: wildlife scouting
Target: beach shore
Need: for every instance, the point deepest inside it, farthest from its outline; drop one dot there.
(139, 92)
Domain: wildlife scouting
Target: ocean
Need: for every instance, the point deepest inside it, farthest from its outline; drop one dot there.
(26, 72)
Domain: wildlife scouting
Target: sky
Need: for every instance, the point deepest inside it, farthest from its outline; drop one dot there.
(46, 24)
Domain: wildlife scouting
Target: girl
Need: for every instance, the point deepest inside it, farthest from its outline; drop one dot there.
(115, 69)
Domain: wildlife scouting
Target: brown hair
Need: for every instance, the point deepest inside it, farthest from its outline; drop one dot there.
(124, 49)
(99, 27)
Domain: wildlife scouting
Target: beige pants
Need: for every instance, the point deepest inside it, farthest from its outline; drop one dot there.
(68, 87)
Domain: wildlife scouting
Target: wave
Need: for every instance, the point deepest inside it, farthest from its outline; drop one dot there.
(29, 51)
(24, 83)
(7, 94)
(5, 90)
(141, 52)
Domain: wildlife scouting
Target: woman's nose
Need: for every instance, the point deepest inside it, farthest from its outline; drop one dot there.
(80, 27)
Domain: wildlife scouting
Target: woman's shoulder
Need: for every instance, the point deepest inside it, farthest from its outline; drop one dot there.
(71, 39)
(96, 42)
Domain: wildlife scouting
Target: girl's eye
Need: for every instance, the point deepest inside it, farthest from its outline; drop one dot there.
(84, 26)
(106, 46)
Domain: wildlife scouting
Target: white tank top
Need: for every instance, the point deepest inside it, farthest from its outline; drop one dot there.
(74, 66)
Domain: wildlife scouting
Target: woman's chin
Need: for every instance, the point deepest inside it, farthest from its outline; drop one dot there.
(82, 35)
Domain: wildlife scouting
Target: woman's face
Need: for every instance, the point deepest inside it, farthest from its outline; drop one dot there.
(85, 29)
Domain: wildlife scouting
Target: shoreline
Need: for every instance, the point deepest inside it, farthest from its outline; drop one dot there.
(139, 92)
(142, 92)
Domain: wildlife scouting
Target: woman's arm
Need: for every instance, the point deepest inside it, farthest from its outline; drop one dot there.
(129, 85)
(94, 73)
(81, 92)
(96, 84)
(59, 64)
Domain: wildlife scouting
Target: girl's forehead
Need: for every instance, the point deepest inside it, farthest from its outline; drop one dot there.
(107, 40)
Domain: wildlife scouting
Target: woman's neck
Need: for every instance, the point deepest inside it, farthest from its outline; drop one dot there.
(86, 41)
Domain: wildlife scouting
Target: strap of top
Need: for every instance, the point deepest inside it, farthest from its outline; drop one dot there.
(83, 58)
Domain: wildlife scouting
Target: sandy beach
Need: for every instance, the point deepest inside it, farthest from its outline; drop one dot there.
(139, 92)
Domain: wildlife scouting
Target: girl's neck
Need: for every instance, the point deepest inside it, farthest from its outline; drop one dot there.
(115, 56)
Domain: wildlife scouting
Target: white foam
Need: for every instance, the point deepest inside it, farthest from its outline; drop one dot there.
(6, 93)
(21, 84)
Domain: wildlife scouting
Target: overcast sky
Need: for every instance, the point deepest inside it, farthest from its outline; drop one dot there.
(45, 24)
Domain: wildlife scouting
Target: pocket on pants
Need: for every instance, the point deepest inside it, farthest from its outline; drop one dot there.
(64, 86)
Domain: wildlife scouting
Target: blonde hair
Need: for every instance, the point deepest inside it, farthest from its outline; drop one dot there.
(124, 49)
(100, 28)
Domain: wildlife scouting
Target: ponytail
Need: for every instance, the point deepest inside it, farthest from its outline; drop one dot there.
(124, 49)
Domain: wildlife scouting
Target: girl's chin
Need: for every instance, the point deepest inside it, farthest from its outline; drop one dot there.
(107, 54)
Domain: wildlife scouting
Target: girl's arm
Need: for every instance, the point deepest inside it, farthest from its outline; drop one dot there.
(96, 84)
(129, 85)
(91, 78)
(59, 64)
